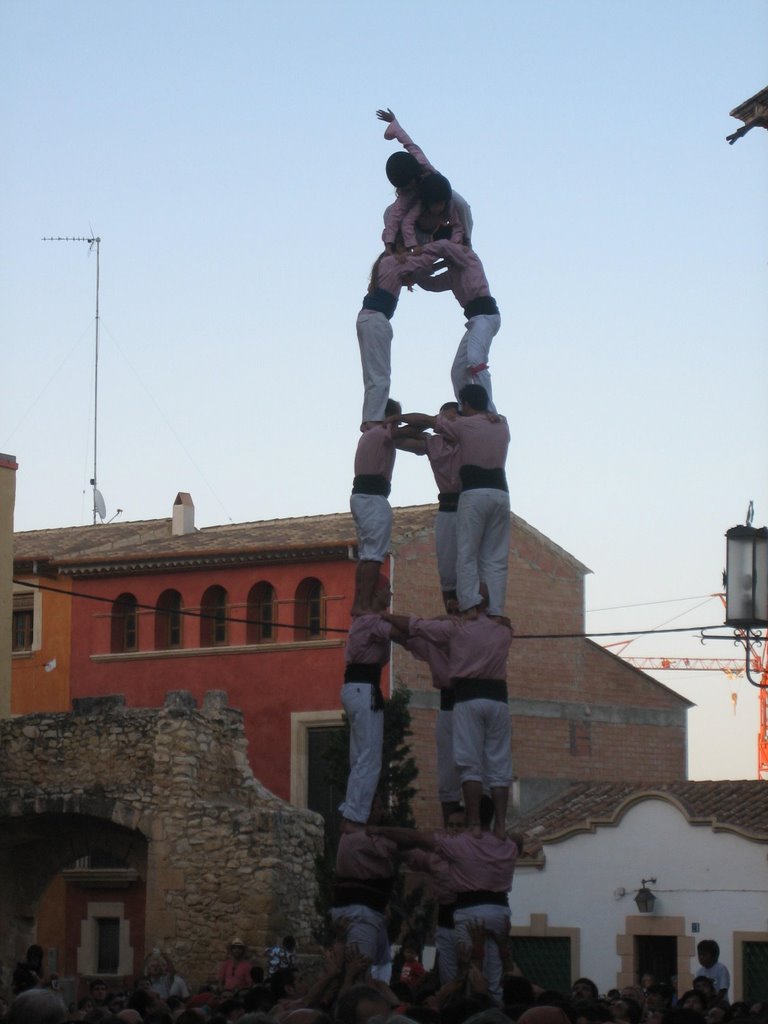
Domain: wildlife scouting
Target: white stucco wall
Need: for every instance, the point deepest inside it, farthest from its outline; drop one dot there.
(718, 880)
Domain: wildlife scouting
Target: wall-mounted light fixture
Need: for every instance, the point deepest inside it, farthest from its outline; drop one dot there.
(746, 586)
(644, 898)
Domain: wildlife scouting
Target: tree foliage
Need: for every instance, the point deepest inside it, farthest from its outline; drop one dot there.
(397, 790)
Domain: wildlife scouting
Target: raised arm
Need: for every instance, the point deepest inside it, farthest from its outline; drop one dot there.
(395, 131)
(420, 420)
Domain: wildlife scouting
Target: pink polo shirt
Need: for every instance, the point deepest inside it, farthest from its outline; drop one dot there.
(478, 862)
(465, 278)
(362, 856)
(481, 442)
(368, 640)
(444, 460)
(376, 451)
(393, 272)
(477, 648)
(435, 656)
(438, 870)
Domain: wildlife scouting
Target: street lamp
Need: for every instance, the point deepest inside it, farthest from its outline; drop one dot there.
(746, 585)
(645, 898)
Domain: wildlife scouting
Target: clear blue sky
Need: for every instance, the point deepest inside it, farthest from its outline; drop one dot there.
(228, 155)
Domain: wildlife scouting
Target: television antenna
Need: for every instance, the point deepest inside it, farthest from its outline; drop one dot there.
(99, 508)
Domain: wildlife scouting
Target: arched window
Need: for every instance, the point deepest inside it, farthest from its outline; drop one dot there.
(125, 624)
(261, 614)
(213, 621)
(309, 615)
(168, 619)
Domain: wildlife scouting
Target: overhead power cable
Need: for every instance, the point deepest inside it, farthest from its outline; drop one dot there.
(200, 614)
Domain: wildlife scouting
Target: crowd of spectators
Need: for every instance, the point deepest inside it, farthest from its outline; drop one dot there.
(341, 991)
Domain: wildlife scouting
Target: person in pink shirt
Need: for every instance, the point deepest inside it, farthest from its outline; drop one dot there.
(365, 872)
(482, 516)
(438, 871)
(443, 456)
(365, 654)
(369, 503)
(480, 870)
(406, 172)
(235, 972)
(436, 657)
(374, 328)
(477, 650)
(465, 277)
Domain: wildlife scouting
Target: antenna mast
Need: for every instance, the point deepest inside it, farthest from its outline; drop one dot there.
(98, 501)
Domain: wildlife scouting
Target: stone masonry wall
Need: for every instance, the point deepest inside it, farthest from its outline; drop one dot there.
(224, 854)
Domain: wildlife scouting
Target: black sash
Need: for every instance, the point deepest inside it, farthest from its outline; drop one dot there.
(447, 699)
(483, 305)
(368, 892)
(371, 483)
(448, 501)
(479, 896)
(477, 689)
(473, 477)
(381, 301)
(445, 915)
(365, 674)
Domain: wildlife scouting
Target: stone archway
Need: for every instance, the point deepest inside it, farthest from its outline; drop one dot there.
(171, 787)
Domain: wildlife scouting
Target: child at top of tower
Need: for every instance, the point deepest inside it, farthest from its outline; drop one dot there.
(406, 172)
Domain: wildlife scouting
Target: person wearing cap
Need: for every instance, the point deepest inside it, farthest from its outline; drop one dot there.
(235, 972)
(406, 172)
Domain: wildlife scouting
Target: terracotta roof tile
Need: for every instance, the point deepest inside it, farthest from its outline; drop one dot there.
(150, 540)
(736, 806)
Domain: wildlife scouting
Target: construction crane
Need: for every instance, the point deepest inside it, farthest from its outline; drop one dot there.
(732, 669)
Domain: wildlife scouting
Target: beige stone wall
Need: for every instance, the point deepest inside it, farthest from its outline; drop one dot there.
(223, 854)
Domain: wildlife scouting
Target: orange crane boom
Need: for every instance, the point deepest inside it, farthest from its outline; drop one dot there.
(731, 667)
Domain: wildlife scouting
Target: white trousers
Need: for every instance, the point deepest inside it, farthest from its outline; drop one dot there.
(474, 350)
(448, 963)
(448, 781)
(374, 335)
(482, 544)
(445, 548)
(368, 931)
(372, 514)
(482, 742)
(496, 920)
(366, 737)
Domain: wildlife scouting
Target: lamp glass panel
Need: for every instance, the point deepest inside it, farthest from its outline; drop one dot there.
(739, 590)
(761, 580)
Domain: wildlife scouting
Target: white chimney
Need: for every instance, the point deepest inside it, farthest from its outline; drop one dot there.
(183, 515)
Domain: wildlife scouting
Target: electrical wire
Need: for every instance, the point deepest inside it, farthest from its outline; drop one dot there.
(195, 614)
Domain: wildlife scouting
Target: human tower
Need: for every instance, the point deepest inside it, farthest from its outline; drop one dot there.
(428, 244)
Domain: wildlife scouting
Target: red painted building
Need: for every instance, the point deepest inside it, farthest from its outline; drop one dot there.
(260, 610)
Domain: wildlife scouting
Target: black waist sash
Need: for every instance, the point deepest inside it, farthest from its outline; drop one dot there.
(483, 305)
(365, 674)
(473, 477)
(479, 896)
(448, 501)
(381, 301)
(447, 699)
(445, 915)
(372, 483)
(367, 892)
(477, 689)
